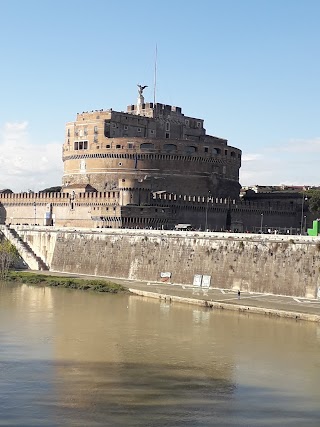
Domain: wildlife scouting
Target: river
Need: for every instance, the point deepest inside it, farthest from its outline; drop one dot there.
(75, 358)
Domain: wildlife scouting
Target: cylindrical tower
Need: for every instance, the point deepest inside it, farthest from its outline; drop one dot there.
(159, 149)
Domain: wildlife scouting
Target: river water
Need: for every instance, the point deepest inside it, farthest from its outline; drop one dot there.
(75, 358)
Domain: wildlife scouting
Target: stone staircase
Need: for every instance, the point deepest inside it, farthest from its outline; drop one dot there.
(33, 261)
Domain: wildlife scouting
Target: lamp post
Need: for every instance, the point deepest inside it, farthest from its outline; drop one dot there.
(35, 213)
(261, 223)
(304, 198)
(206, 222)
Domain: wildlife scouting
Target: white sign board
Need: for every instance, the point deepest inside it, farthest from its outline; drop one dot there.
(197, 279)
(165, 274)
(206, 281)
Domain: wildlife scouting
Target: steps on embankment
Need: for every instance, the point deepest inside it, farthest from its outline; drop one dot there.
(33, 261)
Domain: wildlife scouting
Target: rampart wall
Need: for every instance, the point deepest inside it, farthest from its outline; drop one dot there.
(84, 210)
(270, 264)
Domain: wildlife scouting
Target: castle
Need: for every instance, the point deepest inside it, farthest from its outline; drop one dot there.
(151, 166)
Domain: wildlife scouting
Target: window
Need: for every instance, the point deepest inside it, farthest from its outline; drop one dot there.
(130, 145)
(186, 122)
(108, 146)
(225, 152)
(170, 147)
(191, 149)
(233, 154)
(81, 145)
(85, 131)
(206, 149)
(167, 135)
(95, 129)
(139, 129)
(146, 146)
(125, 127)
(152, 132)
(167, 126)
(118, 146)
(95, 139)
(198, 124)
(80, 132)
(68, 133)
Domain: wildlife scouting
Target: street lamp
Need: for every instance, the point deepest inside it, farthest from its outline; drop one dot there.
(206, 223)
(304, 198)
(261, 223)
(35, 213)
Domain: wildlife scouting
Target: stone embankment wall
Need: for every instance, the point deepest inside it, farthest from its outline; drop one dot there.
(285, 265)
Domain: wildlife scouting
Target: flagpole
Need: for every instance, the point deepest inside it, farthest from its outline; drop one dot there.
(155, 75)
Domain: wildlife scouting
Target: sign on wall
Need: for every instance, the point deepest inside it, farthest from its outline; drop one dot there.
(201, 280)
(197, 279)
(206, 280)
(165, 276)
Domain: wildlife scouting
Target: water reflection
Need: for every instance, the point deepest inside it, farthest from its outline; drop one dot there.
(77, 358)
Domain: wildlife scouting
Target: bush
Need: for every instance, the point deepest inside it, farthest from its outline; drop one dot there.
(97, 285)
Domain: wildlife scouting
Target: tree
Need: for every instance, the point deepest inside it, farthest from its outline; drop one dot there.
(8, 254)
(313, 200)
(56, 189)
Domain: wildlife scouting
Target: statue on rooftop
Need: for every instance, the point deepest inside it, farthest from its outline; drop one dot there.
(140, 100)
(141, 89)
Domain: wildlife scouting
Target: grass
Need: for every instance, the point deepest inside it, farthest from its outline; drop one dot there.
(97, 285)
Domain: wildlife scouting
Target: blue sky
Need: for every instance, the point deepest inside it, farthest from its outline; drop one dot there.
(250, 68)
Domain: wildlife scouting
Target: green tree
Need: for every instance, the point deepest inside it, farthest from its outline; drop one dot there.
(8, 254)
(313, 200)
(56, 189)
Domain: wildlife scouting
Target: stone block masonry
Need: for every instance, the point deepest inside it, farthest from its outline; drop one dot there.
(280, 265)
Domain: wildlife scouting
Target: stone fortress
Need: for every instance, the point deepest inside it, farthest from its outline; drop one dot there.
(155, 147)
(149, 167)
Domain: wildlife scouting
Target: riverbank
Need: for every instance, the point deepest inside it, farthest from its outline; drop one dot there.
(270, 305)
(97, 285)
(209, 304)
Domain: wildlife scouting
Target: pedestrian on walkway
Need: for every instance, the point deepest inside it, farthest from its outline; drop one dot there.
(239, 294)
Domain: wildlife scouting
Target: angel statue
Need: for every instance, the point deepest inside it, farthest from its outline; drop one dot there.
(141, 89)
